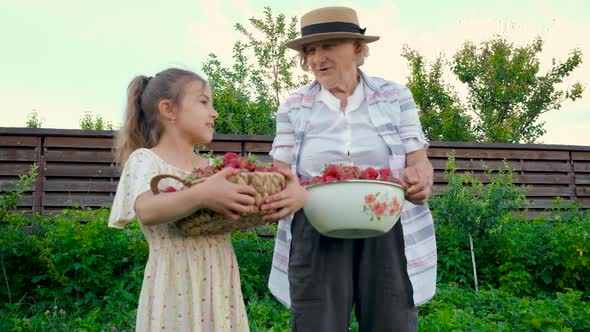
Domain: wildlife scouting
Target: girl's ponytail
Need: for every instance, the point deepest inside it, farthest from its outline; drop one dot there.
(142, 127)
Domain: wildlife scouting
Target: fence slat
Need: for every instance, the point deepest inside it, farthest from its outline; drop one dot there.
(581, 155)
(79, 186)
(583, 191)
(500, 154)
(582, 167)
(258, 147)
(71, 170)
(19, 141)
(14, 169)
(545, 191)
(79, 156)
(11, 185)
(223, 147)
(582, 179)
(79, 142)
(515, 165)
(545, 203)
(17, 154)
(76, 199)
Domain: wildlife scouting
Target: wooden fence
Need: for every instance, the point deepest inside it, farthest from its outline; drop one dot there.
(76, 166)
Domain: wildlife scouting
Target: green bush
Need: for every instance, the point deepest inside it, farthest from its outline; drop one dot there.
(74, 262)
(70, 272)
(526, 257)
(459, 309)
(543, 255)
(469, 206)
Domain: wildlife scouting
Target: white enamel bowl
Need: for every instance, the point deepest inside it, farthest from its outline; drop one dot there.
(354, 209)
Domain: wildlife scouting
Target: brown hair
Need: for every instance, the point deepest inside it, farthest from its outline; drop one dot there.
(358, 43)
(142, 128)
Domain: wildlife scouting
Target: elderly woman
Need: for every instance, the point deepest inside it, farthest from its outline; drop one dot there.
(347, 117)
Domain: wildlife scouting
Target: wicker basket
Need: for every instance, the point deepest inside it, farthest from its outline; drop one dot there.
(208, 222)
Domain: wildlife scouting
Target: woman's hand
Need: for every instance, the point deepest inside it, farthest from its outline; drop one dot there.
(225, 197)
(418, 177)
(288, 201)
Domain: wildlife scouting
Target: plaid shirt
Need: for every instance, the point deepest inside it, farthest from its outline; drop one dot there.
(393, 112)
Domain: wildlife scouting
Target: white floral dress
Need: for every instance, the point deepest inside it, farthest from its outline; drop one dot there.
(190, 283)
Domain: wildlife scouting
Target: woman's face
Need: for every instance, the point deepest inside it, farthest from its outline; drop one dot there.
(332, 62)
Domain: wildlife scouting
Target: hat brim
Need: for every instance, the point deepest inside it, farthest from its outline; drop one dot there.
(296, 44)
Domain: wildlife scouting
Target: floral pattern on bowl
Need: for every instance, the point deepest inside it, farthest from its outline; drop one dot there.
(378, 205)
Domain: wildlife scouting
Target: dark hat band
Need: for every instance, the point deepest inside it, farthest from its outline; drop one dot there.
(331, 27)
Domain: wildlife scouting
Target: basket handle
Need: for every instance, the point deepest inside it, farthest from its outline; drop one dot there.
(156, 180)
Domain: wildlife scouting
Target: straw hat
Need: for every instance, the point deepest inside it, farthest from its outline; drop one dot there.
(329, 23)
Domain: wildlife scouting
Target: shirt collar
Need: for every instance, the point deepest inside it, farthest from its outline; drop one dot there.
(354, 101)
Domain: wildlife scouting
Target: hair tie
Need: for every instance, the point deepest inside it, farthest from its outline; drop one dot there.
(144, 83)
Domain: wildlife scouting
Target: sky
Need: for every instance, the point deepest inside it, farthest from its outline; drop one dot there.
(63, 58)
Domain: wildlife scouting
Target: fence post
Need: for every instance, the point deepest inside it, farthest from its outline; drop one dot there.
(38, 193)
(572, 177)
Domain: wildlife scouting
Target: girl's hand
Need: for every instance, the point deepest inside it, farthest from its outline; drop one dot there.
(288, 201)
(226, 197)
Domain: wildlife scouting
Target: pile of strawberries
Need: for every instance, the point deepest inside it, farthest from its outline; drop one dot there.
(230, 159)
(333, 173)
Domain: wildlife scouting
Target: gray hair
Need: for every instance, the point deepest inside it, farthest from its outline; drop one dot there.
(359, 43)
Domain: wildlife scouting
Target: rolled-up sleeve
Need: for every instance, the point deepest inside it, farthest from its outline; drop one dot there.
(410, 128)
(284, 141)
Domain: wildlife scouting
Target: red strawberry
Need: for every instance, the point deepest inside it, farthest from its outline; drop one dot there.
(372, 173)
(346, 176)
(170, 189)
(272, 169)
(244, 162)
(332, 170)
(304, 183)
(364, 175)
(234, 163)
(251, 167)
(228, 157)
(330, 179)
(355, 171)
(384, 172)
(212, 170)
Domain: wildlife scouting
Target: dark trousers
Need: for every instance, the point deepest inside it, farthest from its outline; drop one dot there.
(329, 277)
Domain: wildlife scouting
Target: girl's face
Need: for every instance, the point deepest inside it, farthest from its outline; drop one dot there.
(195, 115)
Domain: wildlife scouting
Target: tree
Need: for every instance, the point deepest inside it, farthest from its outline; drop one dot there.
(442, 115)
(34, 120)
(247, 94)
(506, 91)
(97, 123)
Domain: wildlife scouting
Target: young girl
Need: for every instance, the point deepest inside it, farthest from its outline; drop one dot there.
(190, 283)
